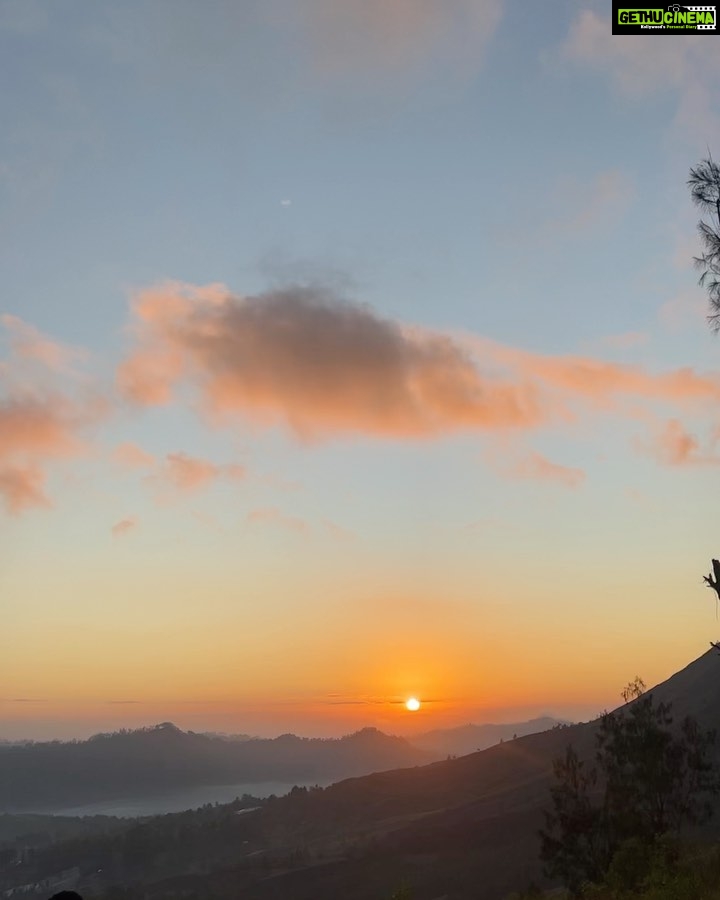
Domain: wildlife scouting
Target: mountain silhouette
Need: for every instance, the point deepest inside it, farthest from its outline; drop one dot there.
(162, 758)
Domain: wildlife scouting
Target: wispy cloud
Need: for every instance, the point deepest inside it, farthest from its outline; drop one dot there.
(538, 468)
(124, 527)
(44, 412)
(684, 68)
(674, 445)
(274, 516)
(338, 532)
(375, 37)
(27, 343)
(637, 66)
(35, 429)
(132, 456)
(22, 487)
(190, 473)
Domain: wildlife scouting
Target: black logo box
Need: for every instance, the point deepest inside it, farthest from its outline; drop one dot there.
(661, 27)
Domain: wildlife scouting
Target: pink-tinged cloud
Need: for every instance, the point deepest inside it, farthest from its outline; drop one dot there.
(45, 409)
(274, 516)
(304, 358)
(676, 446)
(22, 487)
(188, 473)
(38, 427)
(124, 527)
(338, 532)
(538, 468)
(673, 445)
(27, 343)
(370, 37)
(132, 456)
(318, 364)
(35, 430)
(604, 383)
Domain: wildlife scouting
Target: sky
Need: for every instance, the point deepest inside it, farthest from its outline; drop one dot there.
(350, 350)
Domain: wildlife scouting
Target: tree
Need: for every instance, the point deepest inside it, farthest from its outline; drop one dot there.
(649, 781)
(574, 847)
(704, 184)
(656, 781)
(713, 582)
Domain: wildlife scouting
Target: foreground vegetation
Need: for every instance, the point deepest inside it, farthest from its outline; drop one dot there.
(669, 871)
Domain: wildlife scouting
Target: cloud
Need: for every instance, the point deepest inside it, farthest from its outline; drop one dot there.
(132, 456)
(27, 343)
(338, 532)
(33, 431)
(675, 446)
(639, 67)
(376, 36)
(22, 487)
(579, 382)
(37, 426)
(44, 411)
(320, 365)
(189, 473)
(273, 516)
(124, 527)
(324, 367)
(539, 468)
(602, 201)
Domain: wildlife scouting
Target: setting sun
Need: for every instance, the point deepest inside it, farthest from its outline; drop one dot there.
(413, 704)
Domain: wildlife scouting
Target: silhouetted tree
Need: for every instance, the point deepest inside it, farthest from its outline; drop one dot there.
(633, 690)
(649, 782)
(704, 183)
(712, 580)
(574, 845)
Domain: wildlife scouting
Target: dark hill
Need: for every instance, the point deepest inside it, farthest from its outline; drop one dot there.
(152, 760)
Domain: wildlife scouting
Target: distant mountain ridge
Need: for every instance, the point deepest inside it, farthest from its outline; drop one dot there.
(163, 757)
(468, 738)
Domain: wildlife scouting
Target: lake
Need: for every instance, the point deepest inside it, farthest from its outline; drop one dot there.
(175, 801)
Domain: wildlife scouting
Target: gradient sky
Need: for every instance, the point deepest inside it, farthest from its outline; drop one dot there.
(351, 350)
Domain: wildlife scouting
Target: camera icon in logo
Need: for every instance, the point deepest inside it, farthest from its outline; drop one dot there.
(676, 7)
